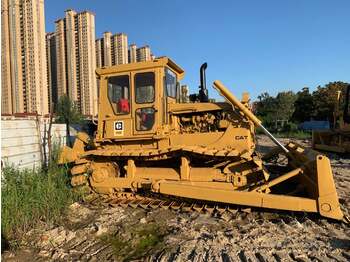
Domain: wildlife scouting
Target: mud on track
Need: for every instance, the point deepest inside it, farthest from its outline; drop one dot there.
(98, 233)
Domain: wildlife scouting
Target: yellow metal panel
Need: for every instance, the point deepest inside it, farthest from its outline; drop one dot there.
(238, 197)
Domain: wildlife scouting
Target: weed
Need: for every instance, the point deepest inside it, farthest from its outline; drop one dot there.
(32, 196)
(138, 242)
(150, 239)
(294, 134)
(120, 247)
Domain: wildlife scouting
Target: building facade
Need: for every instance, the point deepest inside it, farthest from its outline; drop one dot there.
(112, 49)
(76, 59)
(120, 49)
(51, 69)
(107, 48)
(23, 61)
(132, 53)
(99, 52)
(143, 54)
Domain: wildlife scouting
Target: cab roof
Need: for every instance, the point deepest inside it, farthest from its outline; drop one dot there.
(158, 62)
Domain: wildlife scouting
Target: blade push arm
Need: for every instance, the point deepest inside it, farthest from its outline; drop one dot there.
(236, 103)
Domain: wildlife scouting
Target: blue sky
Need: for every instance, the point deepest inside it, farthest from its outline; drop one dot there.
(251, 45)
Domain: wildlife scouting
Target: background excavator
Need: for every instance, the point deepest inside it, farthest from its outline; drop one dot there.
(337, 139)
(154, 139)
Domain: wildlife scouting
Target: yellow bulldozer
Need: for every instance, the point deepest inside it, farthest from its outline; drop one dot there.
(154, 139)
(337, 139)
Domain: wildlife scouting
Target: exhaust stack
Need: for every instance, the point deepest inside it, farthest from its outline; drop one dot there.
(203, 91)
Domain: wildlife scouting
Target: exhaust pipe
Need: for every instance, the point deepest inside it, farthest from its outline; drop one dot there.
(203, 91)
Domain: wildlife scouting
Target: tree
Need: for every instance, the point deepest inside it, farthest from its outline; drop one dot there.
(275, 109)
(325, 100)
(265, 108)
(304, 106)
(285, 105)
(68, 113)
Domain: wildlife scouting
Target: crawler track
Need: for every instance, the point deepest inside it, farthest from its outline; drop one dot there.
(149, 202)
(154, 202)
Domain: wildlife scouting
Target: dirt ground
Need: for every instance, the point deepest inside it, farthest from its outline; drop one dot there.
(98, 233)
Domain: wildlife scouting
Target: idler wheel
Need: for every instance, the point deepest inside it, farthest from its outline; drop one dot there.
(101, 171)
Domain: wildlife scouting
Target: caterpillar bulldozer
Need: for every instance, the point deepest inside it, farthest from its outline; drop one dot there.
(337, 139)
(152, 138)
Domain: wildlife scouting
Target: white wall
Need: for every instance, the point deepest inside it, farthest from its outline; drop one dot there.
(21, 144)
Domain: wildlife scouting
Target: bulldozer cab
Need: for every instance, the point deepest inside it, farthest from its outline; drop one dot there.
(134, 98)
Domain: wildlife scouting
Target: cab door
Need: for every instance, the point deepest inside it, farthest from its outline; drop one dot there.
(145, 102)
(116, 107)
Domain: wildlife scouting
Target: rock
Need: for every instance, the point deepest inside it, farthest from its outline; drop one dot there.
(93, 228)
(227, 216)
(56, 237)
(10, 254)
(101, 229)
(74, 206)
(143, 220)
(77, 213)
(59, 255)
(44, 238)
(44, 253)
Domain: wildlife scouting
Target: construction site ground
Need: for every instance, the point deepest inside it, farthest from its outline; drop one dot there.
(99, 233)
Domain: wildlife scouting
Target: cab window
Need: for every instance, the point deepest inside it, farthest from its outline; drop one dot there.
(144, 86)
(170, 82)
(119, 93)
(145, 118)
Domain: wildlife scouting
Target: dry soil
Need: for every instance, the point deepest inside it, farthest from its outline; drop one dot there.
(98, 233)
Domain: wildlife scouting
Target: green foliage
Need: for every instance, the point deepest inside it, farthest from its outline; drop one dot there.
(31, 196)
(151, 237)
(269, 108)
(67, 111)
(266, 108)
(294, 134)
(140, 241)
(325, 100)
(285, 104)
(304, 106)
(281, 112)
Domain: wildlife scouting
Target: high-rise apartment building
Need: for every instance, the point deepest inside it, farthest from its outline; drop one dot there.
(23, 62)
(132, 53)
(112, 49)
(51, 69)
(60, 58)
(99, 53)
(120, 49)
(107, 54)
(143, 54)
(76, 59)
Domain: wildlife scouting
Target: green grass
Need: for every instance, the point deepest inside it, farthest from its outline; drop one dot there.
(294, 134)
(32, 196)
(298, 134)
(142, 240)
(151, 239)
